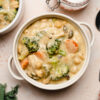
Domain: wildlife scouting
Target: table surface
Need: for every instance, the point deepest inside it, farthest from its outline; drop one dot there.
(87, 88)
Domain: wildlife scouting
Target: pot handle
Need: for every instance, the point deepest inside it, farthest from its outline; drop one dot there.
(11, 70)
(90, 30)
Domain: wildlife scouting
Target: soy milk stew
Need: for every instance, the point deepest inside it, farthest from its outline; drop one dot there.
(51, 51)
(8, 11)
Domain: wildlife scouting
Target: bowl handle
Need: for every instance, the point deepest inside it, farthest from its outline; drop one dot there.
(90, 30)
(11, 70)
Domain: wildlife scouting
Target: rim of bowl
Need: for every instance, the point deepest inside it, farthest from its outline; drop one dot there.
(80, 4)
(51, 86)
(15, 19)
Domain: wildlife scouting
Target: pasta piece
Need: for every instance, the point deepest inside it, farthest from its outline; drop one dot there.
(39, 73)
(46, 81)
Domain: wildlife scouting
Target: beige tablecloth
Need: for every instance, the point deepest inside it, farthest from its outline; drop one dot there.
(87, 88)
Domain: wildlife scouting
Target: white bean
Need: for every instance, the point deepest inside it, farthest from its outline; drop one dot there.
(74, 70)
(81, 56)
(77, 60)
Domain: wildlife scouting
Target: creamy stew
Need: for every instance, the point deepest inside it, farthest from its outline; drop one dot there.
(51, 50)
(8, 11)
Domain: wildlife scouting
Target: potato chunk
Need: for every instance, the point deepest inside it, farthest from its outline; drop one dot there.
(58, 24)
(34, 61)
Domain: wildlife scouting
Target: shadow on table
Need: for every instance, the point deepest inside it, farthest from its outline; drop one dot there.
(48, 93)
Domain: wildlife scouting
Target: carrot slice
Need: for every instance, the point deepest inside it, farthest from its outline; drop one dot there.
(39, 54)
(75, 43)
(71, 46)
(24, 63)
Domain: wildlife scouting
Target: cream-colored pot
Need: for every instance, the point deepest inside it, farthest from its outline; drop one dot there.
(88, 42)
(16, 20)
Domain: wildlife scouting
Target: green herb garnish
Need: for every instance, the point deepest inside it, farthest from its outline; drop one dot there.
(11, 95)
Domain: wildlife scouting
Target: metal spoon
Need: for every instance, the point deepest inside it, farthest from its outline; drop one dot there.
(98, 21)
(53, 7)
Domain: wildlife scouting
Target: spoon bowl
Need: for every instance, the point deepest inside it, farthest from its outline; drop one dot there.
(98, 21)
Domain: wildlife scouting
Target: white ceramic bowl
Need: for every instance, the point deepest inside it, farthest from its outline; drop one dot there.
(75, 5)
(51, 86)
(15, 21)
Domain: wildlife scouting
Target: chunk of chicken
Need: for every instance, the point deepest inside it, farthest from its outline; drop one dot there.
(35, 62)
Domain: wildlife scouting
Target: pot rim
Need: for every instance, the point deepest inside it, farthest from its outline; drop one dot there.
(15, 20)
(63, 84)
